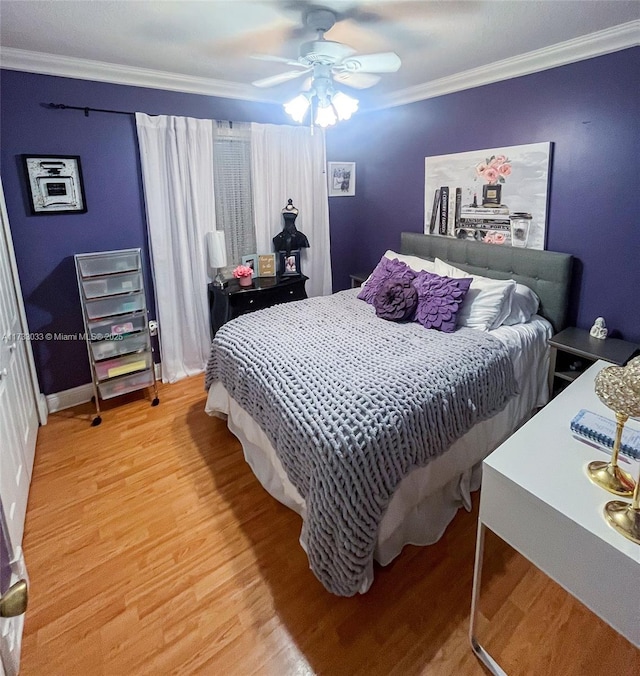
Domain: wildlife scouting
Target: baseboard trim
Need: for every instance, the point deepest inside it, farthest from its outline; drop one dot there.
(58, 401)
(42, 408)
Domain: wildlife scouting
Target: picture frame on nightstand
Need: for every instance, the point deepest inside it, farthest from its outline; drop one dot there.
(251, 261)
(289, 263)
(266, 265)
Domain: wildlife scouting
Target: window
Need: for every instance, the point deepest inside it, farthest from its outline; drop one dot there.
(232, 187)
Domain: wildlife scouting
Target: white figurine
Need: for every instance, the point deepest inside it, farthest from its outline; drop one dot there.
(599, 329)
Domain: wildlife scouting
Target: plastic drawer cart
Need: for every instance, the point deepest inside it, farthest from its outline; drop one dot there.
(114, 308)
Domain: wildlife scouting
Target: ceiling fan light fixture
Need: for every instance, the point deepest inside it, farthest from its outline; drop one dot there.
(345, 105)
(297, 107)
(326, 116)
(328, 104)
(328, 62)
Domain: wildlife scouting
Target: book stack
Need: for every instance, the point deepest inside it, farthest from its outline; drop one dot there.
(602, 431)
(484, 223)
(441, 210)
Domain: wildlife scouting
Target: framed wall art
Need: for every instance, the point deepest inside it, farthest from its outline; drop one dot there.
(342, 179)
(54, 184)
(497, 196)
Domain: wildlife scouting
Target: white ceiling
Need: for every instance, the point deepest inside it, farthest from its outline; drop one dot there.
(205, 46)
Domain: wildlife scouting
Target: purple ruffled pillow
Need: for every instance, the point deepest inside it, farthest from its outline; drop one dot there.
(396, 299)
(439, 299)
(385, 269)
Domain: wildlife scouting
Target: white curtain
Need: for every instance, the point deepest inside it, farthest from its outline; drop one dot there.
(289, 163)
(177, 172)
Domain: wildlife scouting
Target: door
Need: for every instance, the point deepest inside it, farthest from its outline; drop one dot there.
(18, 412)
(18, 431)
(13, 583)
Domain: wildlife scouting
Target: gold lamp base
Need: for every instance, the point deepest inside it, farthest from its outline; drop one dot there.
(611, 478)
(624, 518)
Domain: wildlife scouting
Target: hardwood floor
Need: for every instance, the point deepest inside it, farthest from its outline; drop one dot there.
(152, 549)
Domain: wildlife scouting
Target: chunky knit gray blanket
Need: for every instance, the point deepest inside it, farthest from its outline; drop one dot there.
(351, 404)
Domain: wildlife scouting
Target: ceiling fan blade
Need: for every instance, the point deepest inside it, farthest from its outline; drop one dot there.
(277, 59)
(357, 80)
(384, 62)
(279, 79)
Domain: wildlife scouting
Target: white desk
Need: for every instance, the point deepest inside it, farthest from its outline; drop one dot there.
(537, 497)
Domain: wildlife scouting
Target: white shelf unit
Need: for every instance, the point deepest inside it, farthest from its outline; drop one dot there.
(111, 287)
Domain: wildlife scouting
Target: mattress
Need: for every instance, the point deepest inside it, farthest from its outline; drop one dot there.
(428, 498)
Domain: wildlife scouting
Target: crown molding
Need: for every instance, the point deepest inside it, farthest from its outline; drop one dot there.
(85, 69)
(589, 46)
(602, 42)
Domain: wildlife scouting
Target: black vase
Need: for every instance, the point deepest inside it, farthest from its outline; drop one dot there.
(491, 194)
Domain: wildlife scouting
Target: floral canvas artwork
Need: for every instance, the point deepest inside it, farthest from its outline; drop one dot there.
(494, 169)
(497, 196)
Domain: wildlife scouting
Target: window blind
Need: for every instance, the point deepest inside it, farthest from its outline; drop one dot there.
(232, 188)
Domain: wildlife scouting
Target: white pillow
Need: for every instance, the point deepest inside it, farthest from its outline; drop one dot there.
(524, 304)
(414, 262)
(488, 301)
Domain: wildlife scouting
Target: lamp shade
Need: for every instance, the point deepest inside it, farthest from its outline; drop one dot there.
(216, 249)
(329, 105)
(297, 107)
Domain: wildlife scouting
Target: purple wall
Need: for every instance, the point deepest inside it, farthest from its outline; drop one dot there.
(589, 110)
(107, 145)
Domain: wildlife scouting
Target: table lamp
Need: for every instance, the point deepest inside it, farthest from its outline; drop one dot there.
(217, 254)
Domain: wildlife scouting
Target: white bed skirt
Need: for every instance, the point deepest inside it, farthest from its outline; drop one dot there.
(427, 499)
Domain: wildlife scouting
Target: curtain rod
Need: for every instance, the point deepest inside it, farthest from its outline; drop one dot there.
(63, 106)
(87, 110)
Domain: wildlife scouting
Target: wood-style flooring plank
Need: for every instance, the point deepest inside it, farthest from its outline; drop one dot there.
(152, 549)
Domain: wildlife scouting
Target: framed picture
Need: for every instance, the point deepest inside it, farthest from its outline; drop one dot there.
(55, 184)
(342, 179)
(289, 264)
(266, 265)
(251, 261)
(496, 195)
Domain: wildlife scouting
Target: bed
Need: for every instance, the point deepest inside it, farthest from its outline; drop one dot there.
(354, 446)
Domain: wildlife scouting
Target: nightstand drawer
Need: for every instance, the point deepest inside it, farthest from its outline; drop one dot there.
(297, 292)
(232, 301)
(245, 302)
(248, 301)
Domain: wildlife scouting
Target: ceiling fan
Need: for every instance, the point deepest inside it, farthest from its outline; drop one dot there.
(326, 58)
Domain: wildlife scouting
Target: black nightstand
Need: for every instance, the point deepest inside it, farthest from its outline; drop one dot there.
(234, 300)
(357, 278)
(574, 350)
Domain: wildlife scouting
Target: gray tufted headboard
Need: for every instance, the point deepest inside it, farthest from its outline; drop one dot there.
(548, 273)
